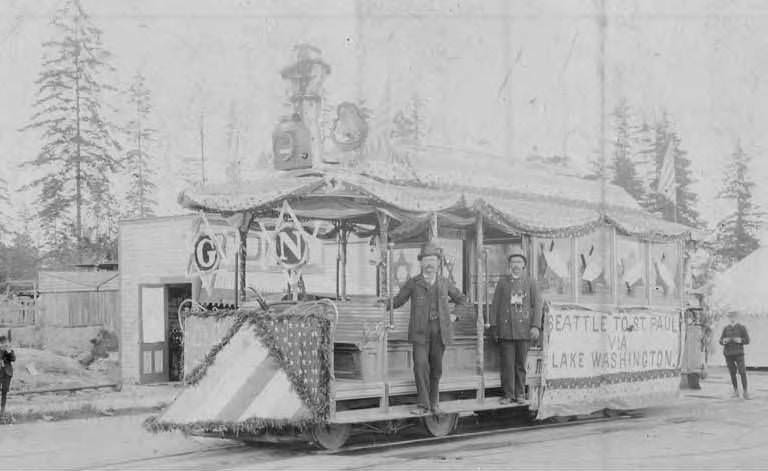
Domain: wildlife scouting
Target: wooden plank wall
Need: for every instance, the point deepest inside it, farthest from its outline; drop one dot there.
(80, 308)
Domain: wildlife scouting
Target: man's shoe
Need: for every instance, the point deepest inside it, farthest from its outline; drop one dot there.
(436, 410)
(506, 400)
(420, 410)
(735, 394)
(747, 396)
(521, 400)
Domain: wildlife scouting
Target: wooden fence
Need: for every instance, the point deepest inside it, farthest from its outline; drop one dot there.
(70, 309)
(18, 312)
(80, 308)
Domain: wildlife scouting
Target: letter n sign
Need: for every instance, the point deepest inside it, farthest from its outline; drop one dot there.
(291, 248)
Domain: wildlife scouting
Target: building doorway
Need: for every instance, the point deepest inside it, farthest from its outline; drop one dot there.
(160, 342)
(175, 294)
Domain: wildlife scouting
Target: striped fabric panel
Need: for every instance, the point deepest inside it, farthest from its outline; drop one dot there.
(276, 401)
(249, 392)
(226, 376)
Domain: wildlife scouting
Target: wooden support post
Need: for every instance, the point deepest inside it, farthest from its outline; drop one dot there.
(344, 235)
(480, 321)
(243, 253)
(386, 255)
(433, 228)
(237, 282)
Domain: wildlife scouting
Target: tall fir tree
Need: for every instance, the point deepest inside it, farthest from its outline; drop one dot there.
(684, 210)
(138, 158)
(5, 202)
(77, 157)
(737, 231)
(622, 165)
(644, 144)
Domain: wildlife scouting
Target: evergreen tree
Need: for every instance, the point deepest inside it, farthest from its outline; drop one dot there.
(4, 204)
(684, 211)
(138, 158)
(622, 164)
(644, 143)
(736, 233)
(21, 258)
(76, 158)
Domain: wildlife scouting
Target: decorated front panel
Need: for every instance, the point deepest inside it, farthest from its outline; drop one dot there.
(619, 360)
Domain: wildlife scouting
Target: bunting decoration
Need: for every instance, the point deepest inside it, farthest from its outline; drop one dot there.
(270, 372)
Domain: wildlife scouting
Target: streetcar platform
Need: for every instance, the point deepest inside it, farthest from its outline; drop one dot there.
(406, 411)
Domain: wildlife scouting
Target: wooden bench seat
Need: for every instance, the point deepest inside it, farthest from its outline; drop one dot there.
(359, 319)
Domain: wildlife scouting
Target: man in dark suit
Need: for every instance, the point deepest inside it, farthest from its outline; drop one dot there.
(430, 327)
(517, 310)
(7, 357)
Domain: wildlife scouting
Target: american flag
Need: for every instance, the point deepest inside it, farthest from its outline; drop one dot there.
(667, 185)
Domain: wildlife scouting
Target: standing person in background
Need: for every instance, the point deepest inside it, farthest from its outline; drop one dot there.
(517, 311)
(7, 357)
(733, 339)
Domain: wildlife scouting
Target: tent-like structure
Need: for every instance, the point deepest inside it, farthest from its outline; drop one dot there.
(742, 288)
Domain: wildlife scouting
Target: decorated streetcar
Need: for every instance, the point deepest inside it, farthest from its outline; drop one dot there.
(301, 255)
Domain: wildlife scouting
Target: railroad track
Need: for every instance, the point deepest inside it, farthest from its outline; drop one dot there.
(481, 431)
(240, 454)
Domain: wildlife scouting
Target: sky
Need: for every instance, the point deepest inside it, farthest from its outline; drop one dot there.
(511, 77)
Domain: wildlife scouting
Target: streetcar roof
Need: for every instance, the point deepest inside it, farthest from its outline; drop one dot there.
(513, 197)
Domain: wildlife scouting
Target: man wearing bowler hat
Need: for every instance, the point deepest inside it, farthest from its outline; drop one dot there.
(516, 310)
(430, 327)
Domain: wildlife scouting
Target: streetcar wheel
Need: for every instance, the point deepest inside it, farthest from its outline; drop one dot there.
(440, 425)
(331, 436)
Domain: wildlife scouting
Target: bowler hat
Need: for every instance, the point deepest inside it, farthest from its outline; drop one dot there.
(517, 251)
(430, 249)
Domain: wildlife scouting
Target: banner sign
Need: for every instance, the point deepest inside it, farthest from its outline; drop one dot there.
(618, 360)
(212, 249)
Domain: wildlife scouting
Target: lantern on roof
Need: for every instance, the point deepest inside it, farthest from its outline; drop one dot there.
(291, 144)
(293, 137)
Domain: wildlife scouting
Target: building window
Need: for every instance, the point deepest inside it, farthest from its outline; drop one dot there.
(631, 271)
(554, 263)
(665, 273)
(593, 255)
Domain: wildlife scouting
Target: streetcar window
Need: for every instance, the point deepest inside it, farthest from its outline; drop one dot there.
(593, 255)
(665, 273)
(554, 266)
(631, 272)
(497, 261)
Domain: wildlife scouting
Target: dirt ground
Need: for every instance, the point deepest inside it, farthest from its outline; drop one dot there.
(42, 369)
(61, 357)
(705, 429)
